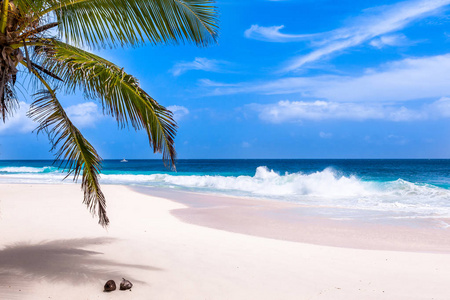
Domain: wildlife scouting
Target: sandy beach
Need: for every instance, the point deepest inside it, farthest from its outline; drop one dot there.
(51, 248)
(232, 150)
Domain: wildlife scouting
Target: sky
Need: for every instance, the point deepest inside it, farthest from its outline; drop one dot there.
(287, 79)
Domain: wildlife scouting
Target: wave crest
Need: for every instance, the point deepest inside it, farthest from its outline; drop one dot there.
(325, 188)
(18, 170)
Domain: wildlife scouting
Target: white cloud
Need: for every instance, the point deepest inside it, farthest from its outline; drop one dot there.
(199, 63)
(273, 34)
(389, 40)
(297, 111)
(407, 79)
(387, 19)
(84, 114)
(178, 111)
(210, 83)
(19, 122)
(440, 107)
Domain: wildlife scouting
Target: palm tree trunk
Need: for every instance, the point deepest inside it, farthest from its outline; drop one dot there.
(4, 16)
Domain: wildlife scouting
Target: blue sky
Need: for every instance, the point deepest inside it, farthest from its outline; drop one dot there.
(287, 79)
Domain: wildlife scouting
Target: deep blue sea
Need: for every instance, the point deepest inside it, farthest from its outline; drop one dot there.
(419, 187)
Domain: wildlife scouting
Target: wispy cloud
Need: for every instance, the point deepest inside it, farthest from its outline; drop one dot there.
(389, 40)
(178, 111)
(211, 83)
(298, 111)
(295, 111)
(19, 122)
(407, 79)
(199, 63)
(84, 115)
(374, 23)
(273, 34)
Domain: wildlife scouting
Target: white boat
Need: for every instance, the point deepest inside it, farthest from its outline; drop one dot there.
(124, 160)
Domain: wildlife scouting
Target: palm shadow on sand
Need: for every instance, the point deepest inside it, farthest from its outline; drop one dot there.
(61, 260)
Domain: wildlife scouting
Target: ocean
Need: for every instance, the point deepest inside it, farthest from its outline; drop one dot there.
(417, 188)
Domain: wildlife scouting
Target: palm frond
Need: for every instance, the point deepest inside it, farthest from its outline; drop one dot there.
(74, 152)
(119, 92)
(9, 58)
(8, 100)
(32, 65)
(34, 31)
(27, 38)
(114, 23)
(31, 6)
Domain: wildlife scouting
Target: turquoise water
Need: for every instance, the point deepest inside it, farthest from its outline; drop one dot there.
(419, 187)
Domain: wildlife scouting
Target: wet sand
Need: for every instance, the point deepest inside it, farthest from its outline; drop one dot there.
(306, 224)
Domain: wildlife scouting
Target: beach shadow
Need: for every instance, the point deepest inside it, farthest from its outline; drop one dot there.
(61, 260)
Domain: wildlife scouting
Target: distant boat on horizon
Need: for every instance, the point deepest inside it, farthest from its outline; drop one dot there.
(124, 160)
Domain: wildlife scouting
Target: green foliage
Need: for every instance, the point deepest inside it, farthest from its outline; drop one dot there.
(119, 92)
(57, 63)
(74, 152)
(100, 23)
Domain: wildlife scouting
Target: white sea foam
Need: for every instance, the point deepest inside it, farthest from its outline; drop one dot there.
(265, 182)
(24, 169)
(326, 188)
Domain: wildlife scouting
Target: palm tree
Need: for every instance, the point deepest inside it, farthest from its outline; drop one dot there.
(45, 37)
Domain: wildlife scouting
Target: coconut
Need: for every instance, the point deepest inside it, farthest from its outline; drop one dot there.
(110, 286)
(125, 284)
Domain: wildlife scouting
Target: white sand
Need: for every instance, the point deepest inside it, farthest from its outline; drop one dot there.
(51, 248)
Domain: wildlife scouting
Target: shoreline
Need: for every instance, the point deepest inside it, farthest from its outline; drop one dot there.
(51, 247)
(305, 224)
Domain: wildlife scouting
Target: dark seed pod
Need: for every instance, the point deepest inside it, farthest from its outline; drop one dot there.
(125, 284)
(110, 286)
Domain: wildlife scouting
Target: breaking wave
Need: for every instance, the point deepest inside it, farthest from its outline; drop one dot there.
(326, 188)
(18, 170)
(265, 182)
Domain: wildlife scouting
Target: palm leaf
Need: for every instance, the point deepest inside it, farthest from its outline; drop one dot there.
(25, 24)
(28, 7)
(113, 23)
(8, 100)
(119, 92)
(74, 152)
